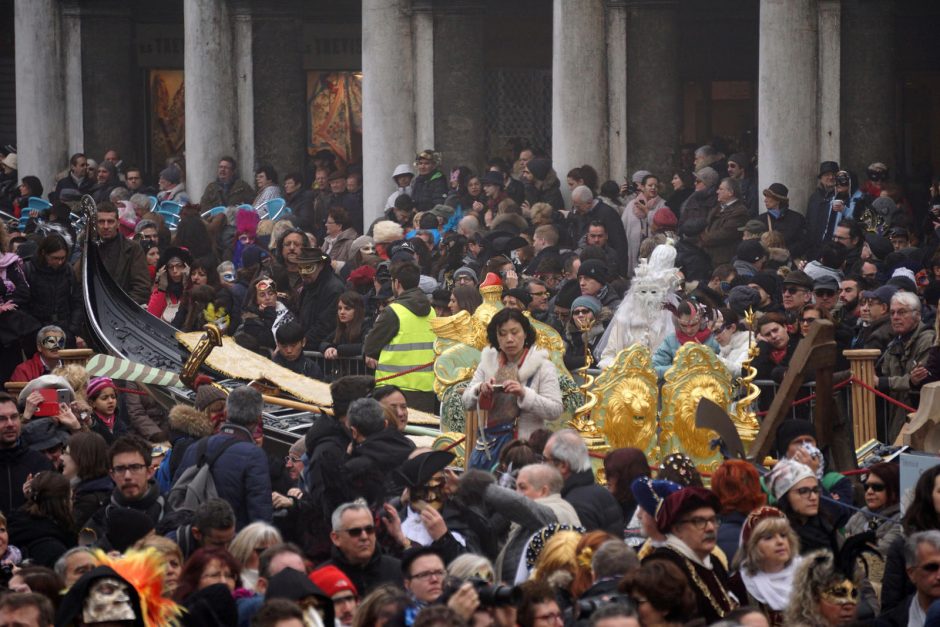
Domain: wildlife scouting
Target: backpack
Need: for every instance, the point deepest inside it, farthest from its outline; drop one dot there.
(196, 485)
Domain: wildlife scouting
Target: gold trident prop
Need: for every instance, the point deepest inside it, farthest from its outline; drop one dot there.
(582, 421)
(744, 418)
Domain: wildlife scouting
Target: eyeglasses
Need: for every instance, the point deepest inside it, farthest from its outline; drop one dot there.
(901, 312)
(290, 459)
(429, 574)
(875, 487)
(794, 290)
(701, 522)
(132, 468)
(358, 531)
(808, 320)
(841, 238)
(807, 491)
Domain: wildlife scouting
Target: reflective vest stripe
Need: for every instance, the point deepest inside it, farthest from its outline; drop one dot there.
(413, 346)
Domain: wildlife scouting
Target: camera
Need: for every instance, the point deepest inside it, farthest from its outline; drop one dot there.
(490, 594)
(631, 188)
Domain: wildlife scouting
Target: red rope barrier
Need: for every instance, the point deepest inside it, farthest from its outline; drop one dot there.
(404, 372)
(894, 401)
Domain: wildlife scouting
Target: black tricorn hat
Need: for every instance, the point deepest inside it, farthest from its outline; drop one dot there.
(418, 470)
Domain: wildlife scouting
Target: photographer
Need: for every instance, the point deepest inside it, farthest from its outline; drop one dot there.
(609, 564)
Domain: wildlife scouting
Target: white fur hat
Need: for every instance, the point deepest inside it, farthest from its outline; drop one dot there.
(386, 232)
(786, 474)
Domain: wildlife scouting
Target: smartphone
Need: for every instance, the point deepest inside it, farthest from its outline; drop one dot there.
(497, 387)
(50, 402)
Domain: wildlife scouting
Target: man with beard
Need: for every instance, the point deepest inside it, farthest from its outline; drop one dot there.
(123, 258)
(15, 457)
(689, 518)
(850, 292)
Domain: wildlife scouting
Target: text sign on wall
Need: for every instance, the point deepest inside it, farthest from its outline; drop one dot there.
(332, 46)
(159, 45)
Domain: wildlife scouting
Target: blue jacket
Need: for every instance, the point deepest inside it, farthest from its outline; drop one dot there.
(241, 474)
(666, 353)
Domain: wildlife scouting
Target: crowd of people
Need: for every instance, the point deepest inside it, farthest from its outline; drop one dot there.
(356, 525)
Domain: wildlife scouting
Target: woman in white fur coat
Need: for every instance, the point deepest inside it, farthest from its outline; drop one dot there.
(516, 384)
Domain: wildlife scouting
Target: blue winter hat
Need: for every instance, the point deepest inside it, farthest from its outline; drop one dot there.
(587, 301)
(650, 493)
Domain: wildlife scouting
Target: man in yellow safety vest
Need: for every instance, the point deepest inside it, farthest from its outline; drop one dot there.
(401, 342)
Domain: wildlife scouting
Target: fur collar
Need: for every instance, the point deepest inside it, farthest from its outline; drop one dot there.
(190, 421)
(489, 361)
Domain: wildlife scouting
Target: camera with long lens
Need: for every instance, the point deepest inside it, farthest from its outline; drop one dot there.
(490, 594)
(584, 608)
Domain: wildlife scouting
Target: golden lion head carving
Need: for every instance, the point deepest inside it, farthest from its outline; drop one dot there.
(631, 415)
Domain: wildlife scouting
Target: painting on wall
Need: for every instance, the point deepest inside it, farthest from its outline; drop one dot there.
(167, 117)
(334, 114)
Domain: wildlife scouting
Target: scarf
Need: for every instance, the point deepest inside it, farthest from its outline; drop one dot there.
(777, 356)
(8, 260)
(674, 543)
(772, 589)
(107, 420)
(775, 213)
(698, 338)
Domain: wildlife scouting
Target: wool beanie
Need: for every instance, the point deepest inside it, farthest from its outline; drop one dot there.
(540, 168)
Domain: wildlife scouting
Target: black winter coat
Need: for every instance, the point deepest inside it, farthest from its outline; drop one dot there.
(326, 442)
(55, 297)
(429, 190)
(42, 540)
(318, 306)
(695, 263)
(596, 506)
(378, 570)
(16, 464)
(370, 470)
(88, 497)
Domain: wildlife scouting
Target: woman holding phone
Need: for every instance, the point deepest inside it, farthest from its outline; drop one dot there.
(516, 384)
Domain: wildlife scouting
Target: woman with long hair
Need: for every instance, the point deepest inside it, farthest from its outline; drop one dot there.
(351, 328)
(621, 467)
(172, 284)
(42, 527)
(385, 605)
(86, 465)
(192, 234)
(882, 511)
(796, 490)
(515, 382)
(262, 315)
(661, 593)
(767, 561)
(464, 298)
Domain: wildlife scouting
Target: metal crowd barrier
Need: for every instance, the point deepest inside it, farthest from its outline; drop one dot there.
(340, 367)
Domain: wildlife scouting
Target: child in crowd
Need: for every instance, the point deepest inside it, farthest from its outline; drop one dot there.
(290, 351)
(105, 419)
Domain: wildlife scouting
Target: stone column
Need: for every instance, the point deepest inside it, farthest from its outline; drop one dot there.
(869, 86)
(108, 73)
(579, 86)
(40, 97)
(459, 129)
(244, 89)
(422, 24)
(211, 121)
(830, 75)
(617, 88)
(388, 106)
(787, 139)
(653, 78)
(74, 102)
(280, 88)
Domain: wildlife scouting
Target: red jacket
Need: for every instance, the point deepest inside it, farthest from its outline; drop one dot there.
(30, 369)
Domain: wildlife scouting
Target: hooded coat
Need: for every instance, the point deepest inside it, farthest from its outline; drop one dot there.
(40, 538)
(428, 190)
(369, 471)
(547, 190)
(55, 296)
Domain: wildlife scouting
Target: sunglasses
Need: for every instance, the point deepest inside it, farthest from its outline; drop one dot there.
(932, 567)
(808, 320)
(358, 531)
(875, 487)
(581, 312)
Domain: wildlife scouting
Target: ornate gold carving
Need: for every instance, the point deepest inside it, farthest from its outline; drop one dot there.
(696, 372)
(744, 417)
(627, 393)
(198, 355)
(582, 421)
(448, 441)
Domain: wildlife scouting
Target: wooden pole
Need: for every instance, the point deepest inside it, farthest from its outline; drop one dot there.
(864, 411)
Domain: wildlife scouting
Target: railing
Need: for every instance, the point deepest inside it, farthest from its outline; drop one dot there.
(339, 367)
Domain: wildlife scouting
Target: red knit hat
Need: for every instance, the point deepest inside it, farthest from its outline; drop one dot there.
(664, 218)
(332, 581)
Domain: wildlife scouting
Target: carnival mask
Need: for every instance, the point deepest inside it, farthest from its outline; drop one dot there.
(431, 493)
(108, 601)
(841, 593)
